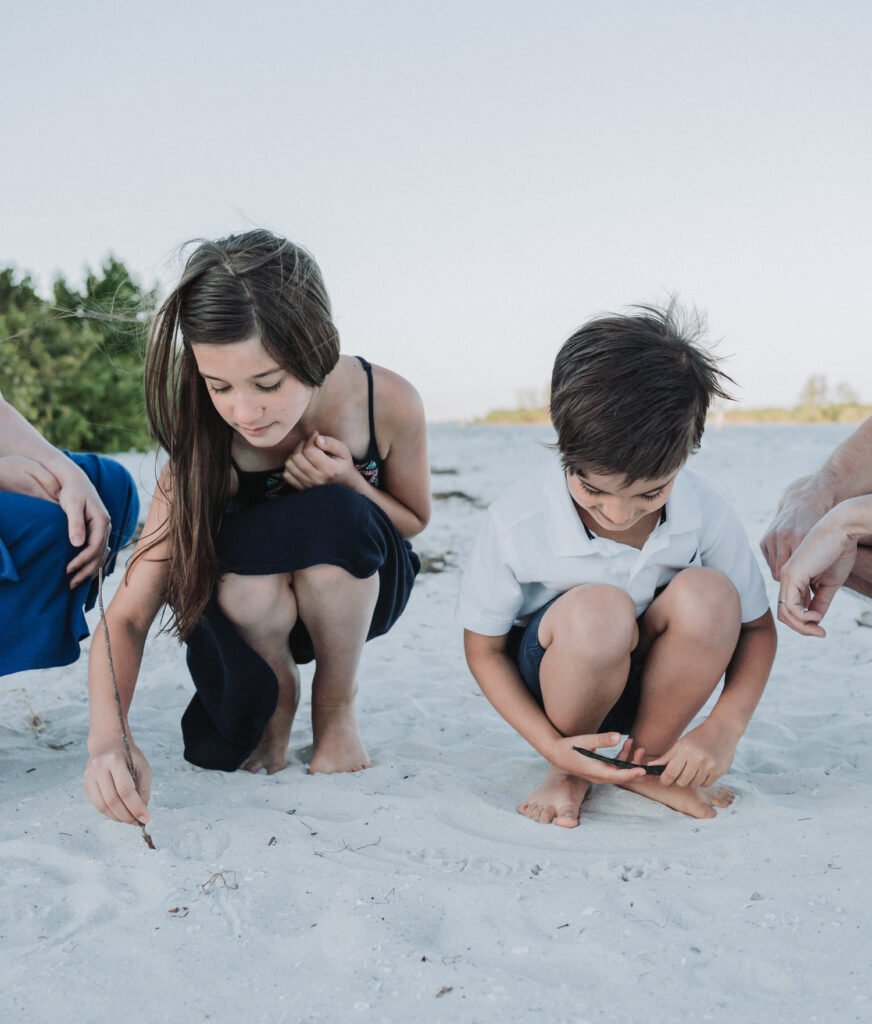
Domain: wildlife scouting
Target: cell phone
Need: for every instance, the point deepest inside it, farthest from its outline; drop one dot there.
(650, 769)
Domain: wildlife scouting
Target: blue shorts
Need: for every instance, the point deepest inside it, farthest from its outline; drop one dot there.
(524, 649)
(42, 621)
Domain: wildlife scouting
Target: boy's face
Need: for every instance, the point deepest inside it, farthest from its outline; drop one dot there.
(612, 504)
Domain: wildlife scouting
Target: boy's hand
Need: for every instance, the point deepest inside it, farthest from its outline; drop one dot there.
(573, 763)
(110, 787)
(319, 460)
(699, 758)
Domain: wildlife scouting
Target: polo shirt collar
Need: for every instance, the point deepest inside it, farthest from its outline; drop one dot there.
(568, 535)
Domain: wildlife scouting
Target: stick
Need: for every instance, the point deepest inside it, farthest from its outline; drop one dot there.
(130, 766)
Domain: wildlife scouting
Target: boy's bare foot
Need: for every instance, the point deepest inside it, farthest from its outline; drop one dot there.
(696, 801)
(272, 751)
(338, 743)
(556, 799)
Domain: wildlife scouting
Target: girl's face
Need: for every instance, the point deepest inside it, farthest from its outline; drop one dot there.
(261, 400)
(614, 506)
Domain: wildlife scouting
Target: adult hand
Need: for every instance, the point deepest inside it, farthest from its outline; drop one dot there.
(802, 505)
(813, 575)
(110, 787)
(20, 475)
(88, 520)
(319, 460)
(563, 756)
(699, 758)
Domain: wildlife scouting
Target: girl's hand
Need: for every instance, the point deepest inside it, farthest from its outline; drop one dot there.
(699, 758)
(110, 788)
(564, 757)
(319, 460)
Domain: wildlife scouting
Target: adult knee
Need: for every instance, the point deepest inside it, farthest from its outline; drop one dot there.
(596, 620)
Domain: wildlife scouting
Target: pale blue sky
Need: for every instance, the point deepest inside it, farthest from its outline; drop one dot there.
(475, 178)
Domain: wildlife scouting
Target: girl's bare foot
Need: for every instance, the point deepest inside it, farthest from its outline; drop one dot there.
(338, 743)
(272, 751)
(696, 801)
(556, 799)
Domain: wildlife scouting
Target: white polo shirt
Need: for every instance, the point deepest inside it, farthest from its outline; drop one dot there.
(533, 546)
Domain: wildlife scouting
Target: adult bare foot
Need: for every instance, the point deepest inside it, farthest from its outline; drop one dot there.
(337, 740)
(696, 801)
(556, 799)
(272, 751)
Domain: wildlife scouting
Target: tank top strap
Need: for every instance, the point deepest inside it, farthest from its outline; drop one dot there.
(372, 453)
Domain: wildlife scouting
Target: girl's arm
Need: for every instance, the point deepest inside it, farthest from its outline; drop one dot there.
(401, 433)
(705, 753)
(501, 683)
(128, 618)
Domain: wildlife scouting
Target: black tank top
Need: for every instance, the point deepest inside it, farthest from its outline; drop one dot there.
(258, 485)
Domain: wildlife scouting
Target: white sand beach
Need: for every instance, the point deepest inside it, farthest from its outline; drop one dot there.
(414, 891)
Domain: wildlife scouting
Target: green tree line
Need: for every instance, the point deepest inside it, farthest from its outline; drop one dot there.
(72, 365)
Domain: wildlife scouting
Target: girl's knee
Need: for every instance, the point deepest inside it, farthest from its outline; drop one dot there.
(598, 619)
(332, 578)
(257, 600)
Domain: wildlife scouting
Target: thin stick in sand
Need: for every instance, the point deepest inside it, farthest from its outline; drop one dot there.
(130, 766)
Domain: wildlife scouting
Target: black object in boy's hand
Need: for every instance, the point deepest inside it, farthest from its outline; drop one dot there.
(650, 769)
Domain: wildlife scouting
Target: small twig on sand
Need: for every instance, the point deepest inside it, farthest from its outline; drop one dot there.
(130, 765)
(36, 724)
(225, 877)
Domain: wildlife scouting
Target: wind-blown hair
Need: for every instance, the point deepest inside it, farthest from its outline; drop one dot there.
(250, 284)
(629, 394)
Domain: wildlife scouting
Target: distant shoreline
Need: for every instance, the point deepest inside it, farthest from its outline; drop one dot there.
(813, 416)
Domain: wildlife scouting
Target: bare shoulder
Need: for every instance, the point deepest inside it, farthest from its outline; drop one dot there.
(397, 402)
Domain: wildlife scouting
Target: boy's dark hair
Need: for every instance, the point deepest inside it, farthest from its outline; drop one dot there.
(629, 394)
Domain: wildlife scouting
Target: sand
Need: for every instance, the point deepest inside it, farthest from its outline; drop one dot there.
(414, 891)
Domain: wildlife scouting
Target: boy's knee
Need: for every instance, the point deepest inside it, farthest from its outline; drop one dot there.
(599, 619)
(704, 600)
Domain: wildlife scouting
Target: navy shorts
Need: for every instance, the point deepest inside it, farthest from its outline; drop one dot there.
(524, 649)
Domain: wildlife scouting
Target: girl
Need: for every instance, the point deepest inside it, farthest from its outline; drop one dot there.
(276, 532)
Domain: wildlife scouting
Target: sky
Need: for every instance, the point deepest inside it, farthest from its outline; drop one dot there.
(475, 178)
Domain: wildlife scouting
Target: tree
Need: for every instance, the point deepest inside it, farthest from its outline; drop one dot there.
(73, 366)
(815, 392)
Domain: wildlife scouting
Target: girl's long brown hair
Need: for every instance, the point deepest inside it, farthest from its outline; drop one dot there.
(254, 283)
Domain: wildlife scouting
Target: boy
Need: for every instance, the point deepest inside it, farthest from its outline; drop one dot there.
(610, 590)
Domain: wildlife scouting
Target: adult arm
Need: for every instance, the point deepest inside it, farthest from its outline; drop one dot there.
(501, 683)
(820, 565)
(847, 473)
(62, 481)
(401, 432)
(137, 601)
(705, 753)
